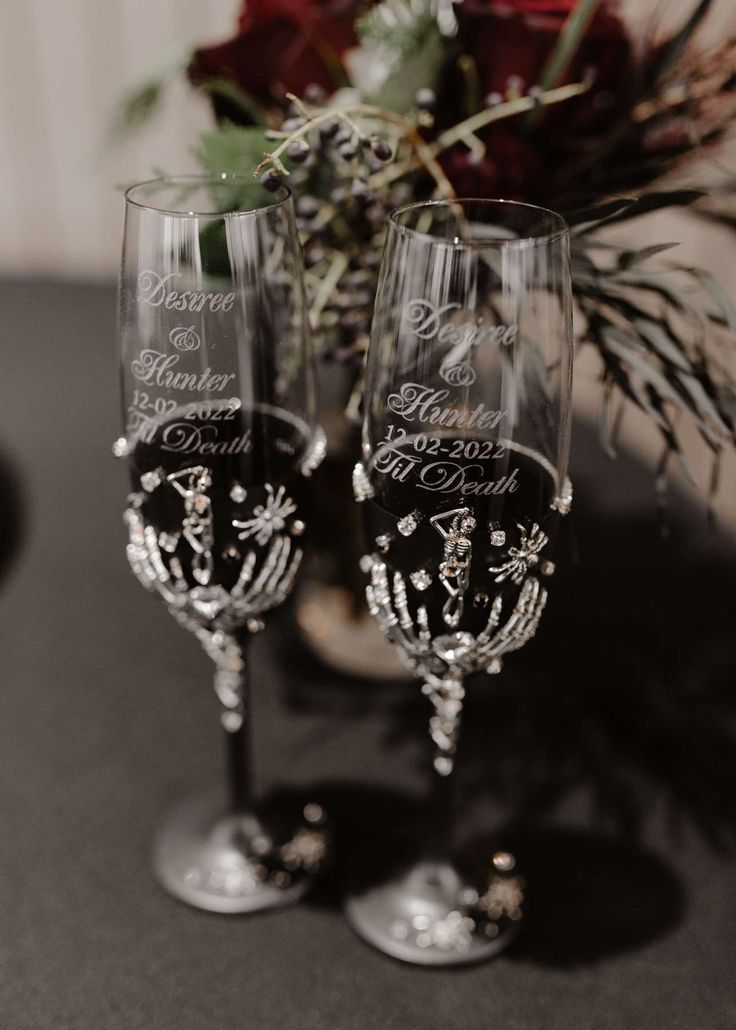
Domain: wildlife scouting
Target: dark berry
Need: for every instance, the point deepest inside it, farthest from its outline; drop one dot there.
(271, 180)
(328, 129)
(313, 256)
(348, 151)
(425, 98)
(382, 150)
(291, 124)
(314, 94)
(344, 136)
(297, 152)
(307, 207)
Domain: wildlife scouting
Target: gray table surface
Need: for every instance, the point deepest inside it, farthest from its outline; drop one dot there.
(106, 716)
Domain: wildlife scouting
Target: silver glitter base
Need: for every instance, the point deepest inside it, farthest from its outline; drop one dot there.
(430, 915)
(235, 863)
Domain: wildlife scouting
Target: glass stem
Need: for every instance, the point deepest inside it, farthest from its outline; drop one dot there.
(446, 696)
(236, 721)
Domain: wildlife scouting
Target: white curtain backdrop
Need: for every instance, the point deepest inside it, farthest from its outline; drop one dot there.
(63, 68)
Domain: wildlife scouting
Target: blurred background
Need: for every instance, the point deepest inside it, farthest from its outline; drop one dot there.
(64, 69)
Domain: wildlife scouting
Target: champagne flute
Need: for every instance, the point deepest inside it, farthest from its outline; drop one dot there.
(220, 438)
(463, 479)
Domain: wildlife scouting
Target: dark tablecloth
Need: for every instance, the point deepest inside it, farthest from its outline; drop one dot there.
(607, 749)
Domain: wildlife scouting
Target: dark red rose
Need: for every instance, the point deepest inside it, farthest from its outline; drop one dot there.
(511, 168)
(512, 40)
(282, 46)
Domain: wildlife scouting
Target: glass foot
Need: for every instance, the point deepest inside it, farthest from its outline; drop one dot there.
(431, 914)
(232, 863)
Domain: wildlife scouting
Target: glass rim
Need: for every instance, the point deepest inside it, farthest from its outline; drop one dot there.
(214, 179)
(533, 240)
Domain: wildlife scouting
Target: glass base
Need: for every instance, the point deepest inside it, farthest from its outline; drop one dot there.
(431, 914)
(234, 863)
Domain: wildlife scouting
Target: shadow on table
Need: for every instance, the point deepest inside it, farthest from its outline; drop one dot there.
(623, 703)
(625, 697)
(590, 896)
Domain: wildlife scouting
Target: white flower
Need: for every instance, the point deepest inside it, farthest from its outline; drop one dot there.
(268, 518)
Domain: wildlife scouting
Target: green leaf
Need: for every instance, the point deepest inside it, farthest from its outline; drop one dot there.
(232, 148)
(422, 69)
(230, 91)
(137, 108)
(568, 42)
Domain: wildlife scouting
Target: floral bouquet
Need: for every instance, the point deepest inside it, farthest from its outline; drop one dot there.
(367, 106)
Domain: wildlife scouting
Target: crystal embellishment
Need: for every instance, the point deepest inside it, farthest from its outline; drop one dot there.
(420, 579)
(366, 563)
(547, 568)
(238, 493)
(150, 480)
(167, 542)
(563, 501)
(408, 524)
(362, 488)
(498, 537)
(383, 542)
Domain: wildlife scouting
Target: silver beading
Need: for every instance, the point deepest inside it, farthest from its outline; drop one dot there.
(444, 661)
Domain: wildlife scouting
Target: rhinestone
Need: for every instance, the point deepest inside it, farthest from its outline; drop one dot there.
(469, 896)
(443, 765)
(150, 480)
(254, 625)
(504, 861)
(421, 922)
(167, 542)
(231, 553)
(362, 488)
(491, 930)
(547, 568)
(494, 666)
(314, 813)
(120, 447)
(498, 537)
(383, 542)
(238, 493)
(408, 524)
(281, 878)
(420, 579)
(297, 527)
(231, 721)
(480, 600)
(366, 562)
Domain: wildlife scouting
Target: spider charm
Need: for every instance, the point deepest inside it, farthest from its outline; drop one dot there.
(267, 518)
(523, 558)
(457, 554)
